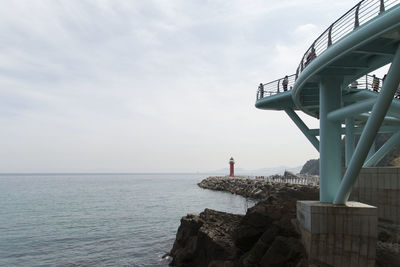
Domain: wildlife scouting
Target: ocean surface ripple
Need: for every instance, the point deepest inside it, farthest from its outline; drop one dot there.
(99, 219)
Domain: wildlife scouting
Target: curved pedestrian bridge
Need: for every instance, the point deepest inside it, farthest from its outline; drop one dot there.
(333, 83)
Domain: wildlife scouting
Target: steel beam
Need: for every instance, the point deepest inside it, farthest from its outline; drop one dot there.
(303, 128)
(351, 110)
(349, 140)
(386, 148)
(371, 128)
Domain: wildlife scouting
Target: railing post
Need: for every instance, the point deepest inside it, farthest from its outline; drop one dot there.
(330, 36)
(382, 7)
(301, 64)
(356, 21)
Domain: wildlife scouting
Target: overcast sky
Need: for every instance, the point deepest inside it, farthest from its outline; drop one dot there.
(151, 86)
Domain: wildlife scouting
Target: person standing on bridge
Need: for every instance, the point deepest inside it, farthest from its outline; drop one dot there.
(285, 83)
(261, 90)
(354, 84)
(375, 83)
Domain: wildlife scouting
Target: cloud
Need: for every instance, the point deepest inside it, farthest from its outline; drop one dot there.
(118, 85)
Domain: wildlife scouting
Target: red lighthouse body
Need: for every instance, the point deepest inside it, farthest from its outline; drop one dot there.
(231, 168)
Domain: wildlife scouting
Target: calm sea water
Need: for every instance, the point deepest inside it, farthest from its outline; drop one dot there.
(97, 219)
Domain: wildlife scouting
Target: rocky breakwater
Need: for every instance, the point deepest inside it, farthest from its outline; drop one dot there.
(265, 236)
(269, 187)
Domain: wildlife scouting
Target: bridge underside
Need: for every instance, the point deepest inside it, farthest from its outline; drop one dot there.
(322, 91)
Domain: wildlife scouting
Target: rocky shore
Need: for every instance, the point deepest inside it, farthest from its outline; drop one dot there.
(266, 235)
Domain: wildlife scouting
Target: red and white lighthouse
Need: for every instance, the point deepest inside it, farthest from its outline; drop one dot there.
(231, 168)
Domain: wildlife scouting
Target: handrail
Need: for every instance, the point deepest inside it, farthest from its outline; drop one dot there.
(366, 82)
(274, 87)
(361, 13)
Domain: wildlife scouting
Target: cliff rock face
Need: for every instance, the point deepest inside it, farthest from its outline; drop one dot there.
(311, 167)
(265, 236)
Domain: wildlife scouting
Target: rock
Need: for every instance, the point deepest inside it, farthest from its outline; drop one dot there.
(263, 188)
(220, 239)
(387, 254)
(202, 239)
(284, 251)
(256, 253)
(266, 235)
(311, 167)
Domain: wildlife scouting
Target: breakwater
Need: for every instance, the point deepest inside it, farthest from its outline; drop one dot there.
(287, 186)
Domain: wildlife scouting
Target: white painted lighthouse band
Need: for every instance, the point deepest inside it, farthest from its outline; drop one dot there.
(231, 167)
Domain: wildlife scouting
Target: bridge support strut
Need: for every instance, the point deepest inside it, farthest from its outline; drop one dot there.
(349, 140)
(370, 130)
(378, 156)
(303, 128)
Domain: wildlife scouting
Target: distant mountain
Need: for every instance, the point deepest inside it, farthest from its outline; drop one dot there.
(259, 172)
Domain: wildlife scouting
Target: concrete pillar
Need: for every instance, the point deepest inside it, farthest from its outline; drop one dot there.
(338, 235)
(330, 148)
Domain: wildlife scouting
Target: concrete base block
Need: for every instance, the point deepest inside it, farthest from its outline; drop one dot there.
(338, 235)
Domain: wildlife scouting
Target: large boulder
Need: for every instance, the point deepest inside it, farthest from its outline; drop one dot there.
(205, 238)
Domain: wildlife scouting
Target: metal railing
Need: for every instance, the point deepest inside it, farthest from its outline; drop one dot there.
(274, 87)
(351, 20)
(366, 82)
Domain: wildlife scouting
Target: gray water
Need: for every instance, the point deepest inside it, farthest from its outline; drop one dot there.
(98, 219)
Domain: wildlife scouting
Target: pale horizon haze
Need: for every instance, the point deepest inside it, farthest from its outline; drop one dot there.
(151, 86)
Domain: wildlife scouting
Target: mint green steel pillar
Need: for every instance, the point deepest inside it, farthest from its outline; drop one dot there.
(330, 148)
(371, 151)
(370, 130)
(386, 148)
(349, 140)
(303, 128)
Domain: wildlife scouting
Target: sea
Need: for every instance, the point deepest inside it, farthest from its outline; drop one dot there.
(99, 219)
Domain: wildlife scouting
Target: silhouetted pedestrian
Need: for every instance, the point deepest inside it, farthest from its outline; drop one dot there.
(261, 90)
(375, 83)
(285, 83)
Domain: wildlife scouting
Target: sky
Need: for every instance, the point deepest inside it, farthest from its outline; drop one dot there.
(151, 86)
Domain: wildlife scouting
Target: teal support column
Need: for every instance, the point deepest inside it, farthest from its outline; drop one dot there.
(371, 128)
(371, 151)
(330, 138)
(349, 140)
(386, 148)
(303, 128)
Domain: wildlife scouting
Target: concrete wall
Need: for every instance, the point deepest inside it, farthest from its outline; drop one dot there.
(337, 235)
(380, 187)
